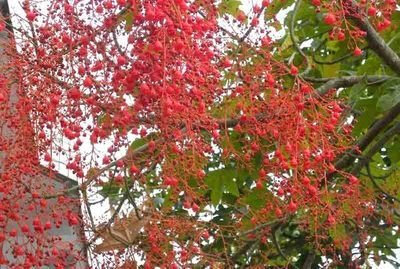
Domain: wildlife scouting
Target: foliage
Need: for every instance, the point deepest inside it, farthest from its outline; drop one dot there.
(239, 149)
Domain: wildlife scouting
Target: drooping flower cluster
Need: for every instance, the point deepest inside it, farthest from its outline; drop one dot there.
(96, 74)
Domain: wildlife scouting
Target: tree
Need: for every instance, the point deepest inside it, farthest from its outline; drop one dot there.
(226, 147)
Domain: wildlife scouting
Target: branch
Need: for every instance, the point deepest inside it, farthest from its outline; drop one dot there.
(375, 42)
(258, 227)
(34, 37)
(347, 81)
(131, 199)
(367, 139)
(275, 241)
(232, 122)
(243, 250)
(337, 60)
(250, 250)
(309, 260)
(263, 225)
(115, 38)
(234, 36)
(89, 211)
(95, 175)
(250, 29)
(375, 148)
(62, 193)
(121, 13)
(109, 222)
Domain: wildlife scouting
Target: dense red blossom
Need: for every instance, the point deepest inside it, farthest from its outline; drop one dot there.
(159, 70)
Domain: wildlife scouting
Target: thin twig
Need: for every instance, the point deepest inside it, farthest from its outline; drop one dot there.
(250, 29)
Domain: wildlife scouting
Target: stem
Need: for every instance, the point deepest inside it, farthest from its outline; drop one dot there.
(367, 139)
(349, 81)
(375, 42)
(375, 148)
(250, 29)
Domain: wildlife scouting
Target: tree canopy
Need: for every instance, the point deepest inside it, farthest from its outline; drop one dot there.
(205, 134)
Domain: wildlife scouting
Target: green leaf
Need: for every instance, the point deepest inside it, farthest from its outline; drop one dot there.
(371, 66)
(333, 45)
(233, 139)
(216, 192)
(137, 143)
(338, 232)
(369, 113)
(330, 70)
(231, 187)
(287, 42)
(377, 166)
(256, 198)
(388, 101)
(110, 190)
(306, 12)
(358, 90)
(391, 84)
(394, 150)
(229, 7)
(222, 180)
(128, 17)
(167, 200)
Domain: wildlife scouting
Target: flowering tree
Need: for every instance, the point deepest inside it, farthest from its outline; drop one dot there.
(232, 139)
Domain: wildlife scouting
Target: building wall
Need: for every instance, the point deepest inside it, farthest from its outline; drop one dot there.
(72, 237)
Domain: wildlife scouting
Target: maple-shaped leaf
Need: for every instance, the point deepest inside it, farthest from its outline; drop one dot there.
(122, 233)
